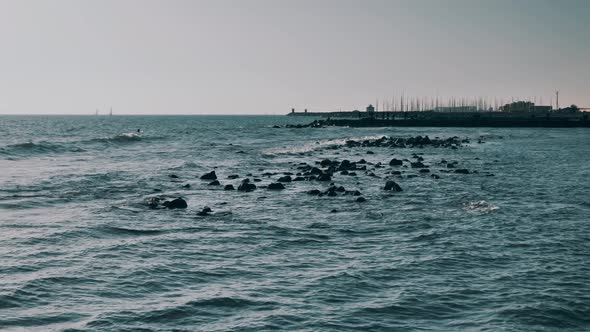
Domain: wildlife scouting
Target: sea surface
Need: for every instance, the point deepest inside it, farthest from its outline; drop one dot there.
(81, 251)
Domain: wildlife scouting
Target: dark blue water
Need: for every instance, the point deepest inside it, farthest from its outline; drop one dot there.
(80, 250)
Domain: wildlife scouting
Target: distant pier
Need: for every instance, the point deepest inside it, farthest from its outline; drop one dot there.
(516, 114)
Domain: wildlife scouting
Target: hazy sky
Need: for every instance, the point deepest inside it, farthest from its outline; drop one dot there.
(256, 56)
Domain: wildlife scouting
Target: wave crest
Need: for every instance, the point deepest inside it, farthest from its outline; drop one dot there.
(30, 148)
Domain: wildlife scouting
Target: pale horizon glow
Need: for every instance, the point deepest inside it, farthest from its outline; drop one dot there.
(268, 56)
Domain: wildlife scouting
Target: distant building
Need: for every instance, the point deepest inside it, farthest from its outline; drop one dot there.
(524, 107)
(571, 109)
(456, 109)
(370, 109)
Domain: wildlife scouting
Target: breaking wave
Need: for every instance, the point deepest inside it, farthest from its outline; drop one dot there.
(481, 207)
(30, 148)
(317, 145)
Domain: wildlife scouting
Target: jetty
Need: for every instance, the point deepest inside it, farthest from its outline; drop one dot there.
(516, 114)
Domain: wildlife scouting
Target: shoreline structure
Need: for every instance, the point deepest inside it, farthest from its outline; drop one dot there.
(516, 114)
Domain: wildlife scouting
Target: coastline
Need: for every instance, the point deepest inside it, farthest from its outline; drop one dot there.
(466, 119)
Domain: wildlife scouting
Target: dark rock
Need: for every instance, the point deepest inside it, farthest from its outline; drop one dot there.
(325, 163)
(346, 165)
(299, 178)
(229, 187)
(233, 176)
(361, 162)
(173, 176)
(424, 170)
(418, 164)
(370, 152)
(205, 211)
(285, 179)
(257, 180)
(324, 178)
(246, 187)
(462, 171)
(314, 192)
(434, 176)
(391, 185)
(345, 172)
(361, 199)
(334, 211)
(214, 183)
(276, 186)
(186, 186)
(178, 203)
(395, 162)
(332, 193)
(209, 176)
(340, 189)
(316, 171)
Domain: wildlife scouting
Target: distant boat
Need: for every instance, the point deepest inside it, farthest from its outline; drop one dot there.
(111, 112)
(96, 113)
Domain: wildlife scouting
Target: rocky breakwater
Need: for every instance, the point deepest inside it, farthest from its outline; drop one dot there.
(394, 163)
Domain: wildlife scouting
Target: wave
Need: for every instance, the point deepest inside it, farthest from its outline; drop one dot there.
(120, 138)
(39, 148)
(482, 207)
(30, 148)
(130, 231)
(317, 145)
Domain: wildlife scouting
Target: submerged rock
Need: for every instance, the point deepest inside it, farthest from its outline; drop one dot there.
(391, 185)
(418, 164)
(214, 183)
(205, 211)
(286, 178)
(314, 192)
(229, 187)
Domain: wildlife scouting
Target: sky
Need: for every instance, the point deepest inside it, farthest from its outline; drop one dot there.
(268, 56)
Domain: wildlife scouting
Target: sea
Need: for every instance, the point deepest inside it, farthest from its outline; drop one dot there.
(503, 248)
